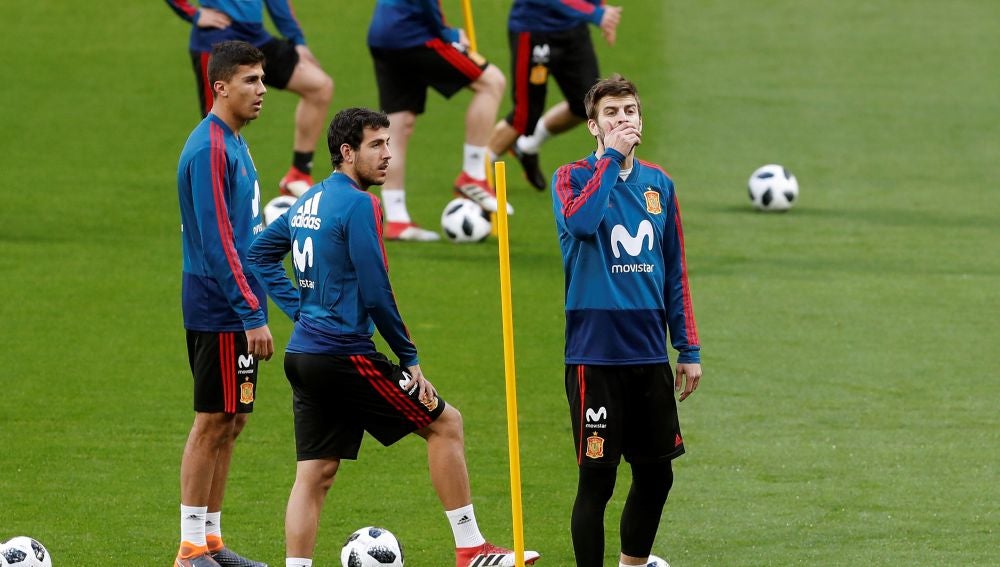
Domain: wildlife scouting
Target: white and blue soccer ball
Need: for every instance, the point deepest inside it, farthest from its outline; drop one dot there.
(372, 547)
(23, 551)
(277, 207)
(773, 188)
(655, 561)
(463, 220)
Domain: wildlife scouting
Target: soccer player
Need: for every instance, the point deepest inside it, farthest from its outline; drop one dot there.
(225, 309)
(341, 386)
(289, 65)
(414, 49)
(626, 284)
(549, 37)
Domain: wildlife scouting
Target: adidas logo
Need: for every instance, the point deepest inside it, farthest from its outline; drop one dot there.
(487, 560)
(305, 216)
(464, 520)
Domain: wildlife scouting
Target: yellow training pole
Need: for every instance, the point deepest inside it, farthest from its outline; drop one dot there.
(508, 364)
(470, 26)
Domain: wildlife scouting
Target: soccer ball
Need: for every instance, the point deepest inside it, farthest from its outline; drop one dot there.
(23, 551)
(372, 547)
(464, 221)
(655, 561)
(773, 188)
(277, 207)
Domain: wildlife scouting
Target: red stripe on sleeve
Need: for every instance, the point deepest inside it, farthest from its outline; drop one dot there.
(377, 212)
(580, 5)
(574, 204)
(218, 163)
(691, 328)
(582, 386)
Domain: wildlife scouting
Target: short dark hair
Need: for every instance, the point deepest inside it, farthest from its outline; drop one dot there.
(228, 56)
(348, 127)
(615, 85)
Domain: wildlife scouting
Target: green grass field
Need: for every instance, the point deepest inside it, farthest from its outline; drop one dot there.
(848, 412)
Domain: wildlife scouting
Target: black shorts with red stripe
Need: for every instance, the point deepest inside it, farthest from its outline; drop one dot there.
(567, 55)
(621, 411)
(280, 59)
(403, 75)
(335, 399)
(225, 374)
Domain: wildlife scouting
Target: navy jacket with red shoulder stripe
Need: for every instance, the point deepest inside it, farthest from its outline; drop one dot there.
(553, 15)
(401, 24)
(623, 256)
(220, 213)
(334, 232)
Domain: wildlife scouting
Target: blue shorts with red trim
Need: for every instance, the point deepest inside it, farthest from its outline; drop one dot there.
(335, 399)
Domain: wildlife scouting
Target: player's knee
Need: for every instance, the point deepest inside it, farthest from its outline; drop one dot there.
(492, 81)
(401, 126)
(449, 424)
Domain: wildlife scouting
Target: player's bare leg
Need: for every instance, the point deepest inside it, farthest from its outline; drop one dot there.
(488, 91)
(450, 477)
(398, 224)
(209, 434)
(446, 459)
(315, 90)
(313, 479)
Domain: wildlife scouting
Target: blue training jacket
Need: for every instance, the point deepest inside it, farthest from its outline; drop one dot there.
(553, 15)
(220, 213)
(334, 232)
(623, 254)
(400, 24)
(248, 21)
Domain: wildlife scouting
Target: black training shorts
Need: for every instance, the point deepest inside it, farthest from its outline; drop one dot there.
(568, 56)
(625, 411)
(280, 59)
(225, 375)
(336, 399)
(403, 75)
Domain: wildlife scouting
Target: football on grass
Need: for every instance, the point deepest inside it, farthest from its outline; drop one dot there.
(773, 188)
(372, 547)
(465, 221)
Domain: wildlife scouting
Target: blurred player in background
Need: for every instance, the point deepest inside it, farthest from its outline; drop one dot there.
(225, 309)
(622, 244)
(413, 49)
(289, 65)
(341, 385)
(549, 37)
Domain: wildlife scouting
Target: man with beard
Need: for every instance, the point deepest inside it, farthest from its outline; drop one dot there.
(341, 385)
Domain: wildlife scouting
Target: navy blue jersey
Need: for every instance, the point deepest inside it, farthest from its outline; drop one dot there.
(623, 254)
(399, 24)
(220, 214)
(553, 15)
(247, 21)
(334, 232)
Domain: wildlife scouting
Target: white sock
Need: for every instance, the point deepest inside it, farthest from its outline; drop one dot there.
(464, 527)
(213, 524)
(531, 144)
(394, 203)
(474, 164)
(298, 562)
(193, 524)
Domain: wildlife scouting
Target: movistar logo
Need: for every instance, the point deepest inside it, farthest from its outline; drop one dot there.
(633, 245)
(303, 257)
(305, 215)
